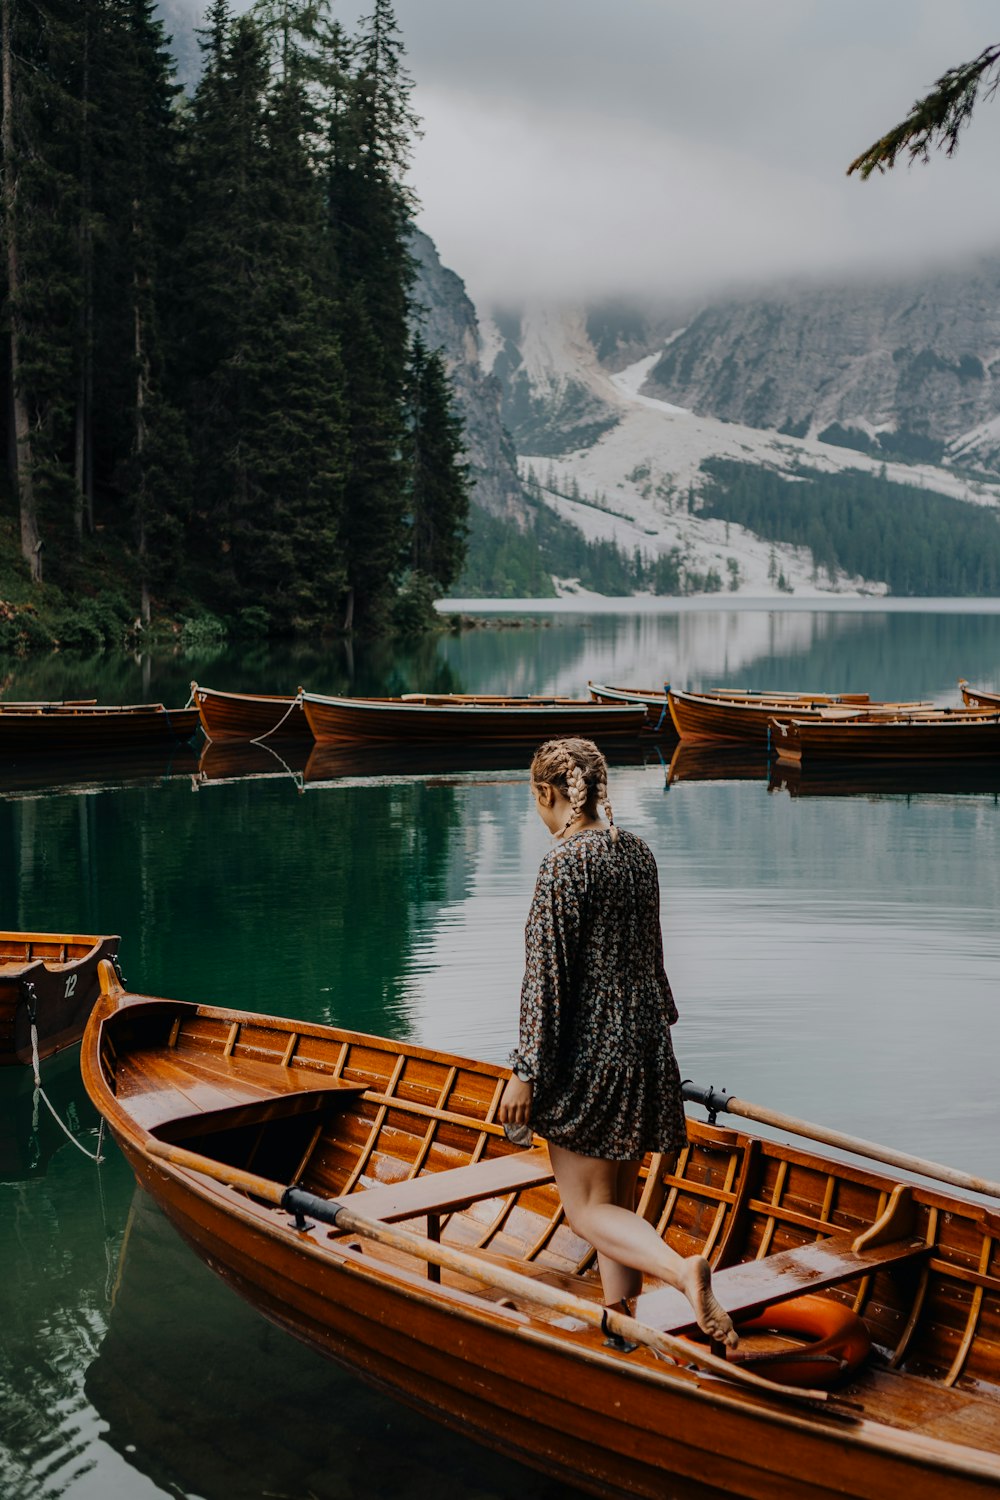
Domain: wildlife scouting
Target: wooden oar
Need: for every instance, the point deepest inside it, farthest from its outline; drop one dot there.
(342, 1216)
(717, 1101)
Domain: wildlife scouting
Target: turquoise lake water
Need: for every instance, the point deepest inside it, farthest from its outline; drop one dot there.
(834, 950)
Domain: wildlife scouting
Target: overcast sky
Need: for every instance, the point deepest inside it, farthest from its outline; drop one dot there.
(592, 147)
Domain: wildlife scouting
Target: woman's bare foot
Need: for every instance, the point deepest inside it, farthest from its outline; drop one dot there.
(712, 1318)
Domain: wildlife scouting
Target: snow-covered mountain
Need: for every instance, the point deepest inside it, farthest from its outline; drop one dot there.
(618, 451)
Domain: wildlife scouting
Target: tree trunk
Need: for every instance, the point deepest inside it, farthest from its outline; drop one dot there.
(141, 385)
(31, 546)
(83, 500)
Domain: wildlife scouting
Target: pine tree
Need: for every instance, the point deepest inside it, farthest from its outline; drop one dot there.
(368, 128)
(437, 480)
(40, 124)
(260, 350)
(139, 209)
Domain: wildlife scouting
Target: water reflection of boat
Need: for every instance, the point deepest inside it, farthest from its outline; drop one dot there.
(30, 775)
(49, 980)
(266, 1415)
(466, 719)
(250, 716)
(224, 761)
(333, 763)
(870, 778)
(716, 762)
(485, 1310)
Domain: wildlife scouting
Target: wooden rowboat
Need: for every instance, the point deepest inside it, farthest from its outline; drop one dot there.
(420, 1249)
(498, 720)
(939, 737)
(658, 719)
(978, 697)
(34, 703)
(52, 730)
(49, 978)
(249, 716)
(746, 717)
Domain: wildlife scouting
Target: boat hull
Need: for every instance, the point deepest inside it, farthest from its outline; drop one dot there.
(393, 721)
(519, 1392)
(658, 720)
(547, 1391)
(56, 975)
(927, 742)
(249, 716)
(72, 730)
(703, 717)
(979, 697)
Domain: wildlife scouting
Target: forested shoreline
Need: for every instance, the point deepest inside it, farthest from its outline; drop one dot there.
(219, 404)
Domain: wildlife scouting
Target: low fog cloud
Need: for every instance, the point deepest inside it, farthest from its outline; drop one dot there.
(664, 147)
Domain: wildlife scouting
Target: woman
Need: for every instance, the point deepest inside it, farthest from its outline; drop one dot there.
(594, 1069)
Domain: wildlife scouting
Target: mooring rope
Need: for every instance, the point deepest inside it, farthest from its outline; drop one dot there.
(295, 703)
(40, 1093)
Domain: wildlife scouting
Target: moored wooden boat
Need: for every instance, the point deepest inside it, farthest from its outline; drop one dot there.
(50, 978)
(6, 705)
(938, 737)
(654, 701)
(505, 720)
(745, 717)
(978, 697)
(448, 1278)
(249, 716)
(52, 730)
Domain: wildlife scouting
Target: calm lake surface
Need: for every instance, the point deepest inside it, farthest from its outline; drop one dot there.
(834, 950)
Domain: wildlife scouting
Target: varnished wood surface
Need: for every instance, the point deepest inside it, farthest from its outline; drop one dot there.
(389, 720)
(746, 717)
(924, 1420)
(57, 974)
(658, 720)
(978, 697)
(229, 717)
(930, 738)
(71, 729)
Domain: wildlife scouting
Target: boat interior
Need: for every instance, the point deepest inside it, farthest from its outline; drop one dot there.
(410, 1137)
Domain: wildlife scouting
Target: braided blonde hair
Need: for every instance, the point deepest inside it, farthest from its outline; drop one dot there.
(577, 769)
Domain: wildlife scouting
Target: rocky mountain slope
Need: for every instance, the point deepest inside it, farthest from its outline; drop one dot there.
(448, 322)
(912, 369)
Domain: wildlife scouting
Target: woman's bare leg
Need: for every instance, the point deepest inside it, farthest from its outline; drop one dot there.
(588, 1187)
(620, 1281)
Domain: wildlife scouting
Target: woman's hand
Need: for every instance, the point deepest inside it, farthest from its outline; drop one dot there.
(515, 1106)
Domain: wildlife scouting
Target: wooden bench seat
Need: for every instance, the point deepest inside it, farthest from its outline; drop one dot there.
(436, 1193)
(749, 1288)
(164, 1085)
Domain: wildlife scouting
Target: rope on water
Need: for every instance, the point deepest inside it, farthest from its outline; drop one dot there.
(40, 1093)
(664, 709)
(295, 703)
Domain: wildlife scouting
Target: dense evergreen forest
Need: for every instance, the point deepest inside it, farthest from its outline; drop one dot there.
(218, 406)
(855, 523)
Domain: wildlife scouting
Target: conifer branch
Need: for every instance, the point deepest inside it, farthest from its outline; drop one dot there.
(937, 120)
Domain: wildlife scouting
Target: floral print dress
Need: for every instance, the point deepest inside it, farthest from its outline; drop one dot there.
(596, 1004)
